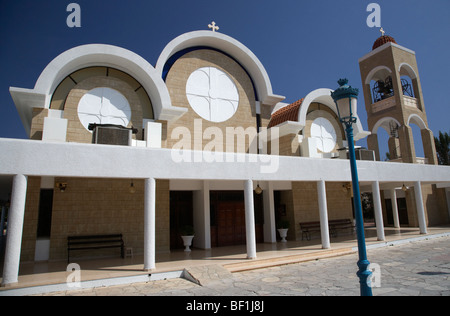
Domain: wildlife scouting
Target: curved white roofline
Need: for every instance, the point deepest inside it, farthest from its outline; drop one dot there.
(384, 123)
(416, 119)
(410, 70)
(233, 48)
(372, 73)
(95, 55)
(323, 96)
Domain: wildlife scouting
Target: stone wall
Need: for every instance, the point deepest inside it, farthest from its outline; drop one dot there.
(93, 207)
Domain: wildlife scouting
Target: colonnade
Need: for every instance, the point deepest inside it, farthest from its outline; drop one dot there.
(19, 192)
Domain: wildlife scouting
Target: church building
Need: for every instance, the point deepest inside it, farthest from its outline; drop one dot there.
(199, 140)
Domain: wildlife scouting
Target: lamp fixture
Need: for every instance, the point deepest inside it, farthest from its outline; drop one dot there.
(258, 189)
(62, 186)
(132, 188)
(347, 188)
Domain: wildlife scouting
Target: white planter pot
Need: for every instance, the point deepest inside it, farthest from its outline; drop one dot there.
(187, 240)
(283, 234)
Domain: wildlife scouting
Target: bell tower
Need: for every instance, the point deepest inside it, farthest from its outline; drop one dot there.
(394, 100)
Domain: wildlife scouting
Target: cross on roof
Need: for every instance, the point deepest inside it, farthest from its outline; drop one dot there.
(382, 32)
(213, 26)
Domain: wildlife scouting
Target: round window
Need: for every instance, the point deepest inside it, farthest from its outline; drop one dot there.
(324, 132)
(104, 106)
(212, 94)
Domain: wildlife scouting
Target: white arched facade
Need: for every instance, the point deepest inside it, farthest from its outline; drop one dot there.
(323, 96)
(151, 78)
(94, 55)
(231, 47)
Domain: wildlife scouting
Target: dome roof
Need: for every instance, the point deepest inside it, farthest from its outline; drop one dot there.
(287, 113)
(383, 40)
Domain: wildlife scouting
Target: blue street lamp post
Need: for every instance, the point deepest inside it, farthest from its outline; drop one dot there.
(346, 99)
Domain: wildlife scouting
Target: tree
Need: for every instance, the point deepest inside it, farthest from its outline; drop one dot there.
(443, 148)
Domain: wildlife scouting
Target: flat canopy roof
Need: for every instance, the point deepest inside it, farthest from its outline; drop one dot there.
(38, 158)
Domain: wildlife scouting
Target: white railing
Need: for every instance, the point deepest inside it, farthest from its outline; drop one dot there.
(383, 104)
(419, 160)
(411, 102)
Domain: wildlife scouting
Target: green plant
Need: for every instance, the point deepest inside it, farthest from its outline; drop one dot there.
(284, 224)
(187, 231)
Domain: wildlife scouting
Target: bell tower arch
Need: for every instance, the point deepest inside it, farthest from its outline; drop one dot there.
(394, 100)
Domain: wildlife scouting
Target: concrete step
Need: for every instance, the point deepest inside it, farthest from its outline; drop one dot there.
(207, 275)
(279, 261)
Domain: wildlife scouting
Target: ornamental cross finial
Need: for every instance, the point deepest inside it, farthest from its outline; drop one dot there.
(213, 26)
(382, 32)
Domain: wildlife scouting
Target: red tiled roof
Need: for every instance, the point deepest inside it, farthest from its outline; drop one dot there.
(383, 40)
(288, 113)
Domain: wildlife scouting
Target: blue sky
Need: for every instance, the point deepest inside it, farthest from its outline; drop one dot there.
(304, 45)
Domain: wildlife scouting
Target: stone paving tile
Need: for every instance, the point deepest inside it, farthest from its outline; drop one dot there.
(415, 269)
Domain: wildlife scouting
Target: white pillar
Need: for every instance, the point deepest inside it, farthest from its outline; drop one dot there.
(2, 225)
(270, 234)
(323, 212)
(395, 208)
(149, 224)
(447, 192)
(250, 219)
(15, 230)
(378, 210)
(202, 217)
(420, 208)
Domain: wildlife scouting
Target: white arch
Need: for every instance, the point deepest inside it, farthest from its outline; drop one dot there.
(94, 55)
(416, 119)
(233, 48)
(384, 123)
(323, 96)
(409, 70)
(384, 72)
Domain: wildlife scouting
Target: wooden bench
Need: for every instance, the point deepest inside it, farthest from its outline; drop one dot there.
(340, 224)
(333, 225)
(75, 243)
(309, 228)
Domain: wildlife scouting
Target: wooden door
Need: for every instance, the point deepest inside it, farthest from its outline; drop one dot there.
(230, 224)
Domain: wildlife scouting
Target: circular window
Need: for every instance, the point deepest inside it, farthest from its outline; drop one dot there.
(212, 94)
(324, 132)
(104, 106)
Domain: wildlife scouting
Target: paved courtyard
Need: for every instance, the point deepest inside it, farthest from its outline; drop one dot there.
(414, 269)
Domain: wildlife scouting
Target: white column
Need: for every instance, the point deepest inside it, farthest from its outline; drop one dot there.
(149, 224)
(447, 192)
(323, 213)
(202, 217)
(15, 230)
(250, 219)
(2, 225)
(378, 210)
(395, 208)
(420, 208)
(270, 234)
